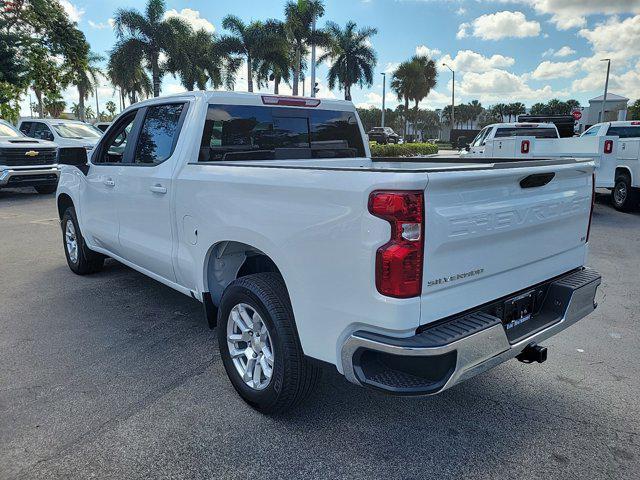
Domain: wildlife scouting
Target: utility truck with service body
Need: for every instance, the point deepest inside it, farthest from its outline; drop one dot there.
(614, 147)
(408, 276)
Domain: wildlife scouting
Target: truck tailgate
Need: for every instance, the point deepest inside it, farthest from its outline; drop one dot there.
(490, 233)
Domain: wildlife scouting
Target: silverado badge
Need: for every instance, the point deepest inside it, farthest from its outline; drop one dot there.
(32, 153)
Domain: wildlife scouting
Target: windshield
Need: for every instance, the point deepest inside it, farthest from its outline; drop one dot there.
(76, 130)
(7, 130)
(591, 132)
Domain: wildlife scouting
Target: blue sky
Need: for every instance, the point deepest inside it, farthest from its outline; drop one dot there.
(502, 50)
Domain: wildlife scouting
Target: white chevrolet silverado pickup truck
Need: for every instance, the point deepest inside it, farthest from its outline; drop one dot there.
(26, 162)
(408, 276)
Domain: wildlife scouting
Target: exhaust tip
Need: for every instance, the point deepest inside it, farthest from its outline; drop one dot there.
(533, 353)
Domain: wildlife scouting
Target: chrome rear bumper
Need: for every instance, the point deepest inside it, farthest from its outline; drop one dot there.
(457, 349)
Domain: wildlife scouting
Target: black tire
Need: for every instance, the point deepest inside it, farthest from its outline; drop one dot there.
(293, 375)
(86, 261)
(624, 197)
(46, 189)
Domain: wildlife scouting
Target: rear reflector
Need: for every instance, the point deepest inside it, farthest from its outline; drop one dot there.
(290, 101)
(399, 261)
(608, 146)
(525, 146)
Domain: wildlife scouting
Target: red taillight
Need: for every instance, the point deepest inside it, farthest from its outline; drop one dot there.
(593, 202)
(608, 146)
(635, 123)
(290, 101)
(524, 146)
(399, 261)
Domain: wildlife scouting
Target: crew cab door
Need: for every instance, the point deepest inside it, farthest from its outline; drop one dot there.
(145, 187)
(99, 214)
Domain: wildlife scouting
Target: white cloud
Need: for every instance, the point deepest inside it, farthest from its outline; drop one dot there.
(101, 25)
(372, 100)
(424, 51)
(564, 52)
(75, 13)
(504, 86)
(548, 70)
(192, 17)
(391, 67)
(567, 14)
(495, 26)
(461, 11)
(470, 61)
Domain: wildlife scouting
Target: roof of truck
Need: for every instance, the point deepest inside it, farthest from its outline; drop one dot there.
(524, 125)
(244, 98)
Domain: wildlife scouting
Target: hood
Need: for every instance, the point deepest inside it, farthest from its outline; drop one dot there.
(25, 142)
(78, 142)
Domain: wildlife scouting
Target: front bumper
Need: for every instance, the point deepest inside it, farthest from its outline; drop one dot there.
(461, 347)
(29, 177)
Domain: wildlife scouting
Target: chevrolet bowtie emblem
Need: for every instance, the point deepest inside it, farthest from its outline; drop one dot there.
(32, 153)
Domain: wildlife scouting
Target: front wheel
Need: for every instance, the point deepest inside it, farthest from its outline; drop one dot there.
(624, 196)
(80, 258)
(259, 344)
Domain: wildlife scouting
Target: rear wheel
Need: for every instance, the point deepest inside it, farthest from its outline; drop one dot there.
(46, 189)
(80, 259)
(259, 344)
(624, 196)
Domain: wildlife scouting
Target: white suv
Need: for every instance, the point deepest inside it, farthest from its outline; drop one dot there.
(65, 133)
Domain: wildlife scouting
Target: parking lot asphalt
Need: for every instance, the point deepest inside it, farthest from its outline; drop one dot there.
(117, 376)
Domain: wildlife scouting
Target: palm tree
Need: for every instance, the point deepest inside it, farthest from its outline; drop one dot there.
(198, 59)
(126, 73)
(111, 108)
(516, 109)
(54, 105)
(251, 41)
(299, 16)
(84, 74)
(476, 109)
(351, 55)
(147, 35)
(275, 64)
(413, 80)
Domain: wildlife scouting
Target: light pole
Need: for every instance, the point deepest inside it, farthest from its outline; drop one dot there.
(313, 57)
(606, 87)
(384, 85)
(453, 99)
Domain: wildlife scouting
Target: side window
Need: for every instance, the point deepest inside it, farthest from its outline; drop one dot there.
(158, 133)
(42, 131)
(624, 132)
(25, 127)
(113, 147)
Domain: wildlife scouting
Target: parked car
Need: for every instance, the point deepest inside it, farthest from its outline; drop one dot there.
(65, 133)
(383, 135)
(102, 126)
(26, 162)
(408, 278)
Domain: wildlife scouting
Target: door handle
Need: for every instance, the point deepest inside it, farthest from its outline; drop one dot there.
(158, 189)
(109, 182)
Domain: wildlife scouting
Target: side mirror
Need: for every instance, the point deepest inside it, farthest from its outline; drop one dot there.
(74, 156)
(467, 147)
(49, 136)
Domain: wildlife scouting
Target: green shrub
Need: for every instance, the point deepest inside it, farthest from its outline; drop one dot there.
(403, 150)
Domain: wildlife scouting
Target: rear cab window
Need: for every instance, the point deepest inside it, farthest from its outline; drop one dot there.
(536, 132)
(244, 132)
(631, 131)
